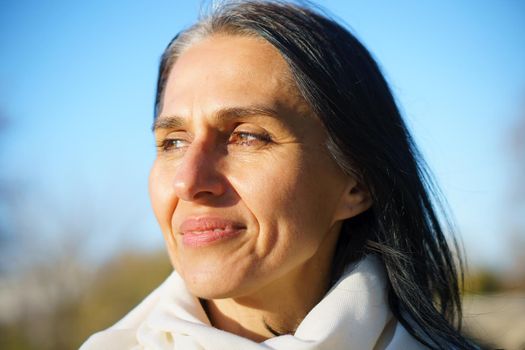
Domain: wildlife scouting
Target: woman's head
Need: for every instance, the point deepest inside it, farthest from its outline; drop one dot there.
(347, 149)
(246, 193)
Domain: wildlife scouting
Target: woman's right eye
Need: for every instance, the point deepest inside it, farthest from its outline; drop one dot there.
(172, 144)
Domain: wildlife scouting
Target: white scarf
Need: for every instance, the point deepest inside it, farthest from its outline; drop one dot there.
(353, 315)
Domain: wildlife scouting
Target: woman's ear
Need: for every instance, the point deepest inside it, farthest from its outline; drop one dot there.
(354, 200)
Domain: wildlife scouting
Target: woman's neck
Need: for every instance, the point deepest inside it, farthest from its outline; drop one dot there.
(277, 309)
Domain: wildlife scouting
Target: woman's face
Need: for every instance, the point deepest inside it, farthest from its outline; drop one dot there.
(243, 188)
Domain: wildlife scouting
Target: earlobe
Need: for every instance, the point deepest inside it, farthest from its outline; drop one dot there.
(355, 199)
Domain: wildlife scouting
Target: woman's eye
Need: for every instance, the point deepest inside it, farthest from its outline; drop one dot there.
(167, 145)
(245, 138)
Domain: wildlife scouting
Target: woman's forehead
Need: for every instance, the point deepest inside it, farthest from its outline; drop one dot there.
(236, 59)
(229, 71)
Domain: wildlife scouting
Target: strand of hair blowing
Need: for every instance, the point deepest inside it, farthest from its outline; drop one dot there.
(368, 138)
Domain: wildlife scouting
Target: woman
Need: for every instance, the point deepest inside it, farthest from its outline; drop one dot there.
(296, 210)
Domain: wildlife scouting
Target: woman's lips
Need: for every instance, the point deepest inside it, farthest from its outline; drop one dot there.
(197, 232)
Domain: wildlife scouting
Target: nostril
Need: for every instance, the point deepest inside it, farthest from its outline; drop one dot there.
(203, 194)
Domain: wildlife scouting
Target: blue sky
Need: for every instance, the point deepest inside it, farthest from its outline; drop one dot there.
(77, 83)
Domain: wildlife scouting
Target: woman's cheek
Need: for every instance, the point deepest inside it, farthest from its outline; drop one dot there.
(162, 196)
(163, 203)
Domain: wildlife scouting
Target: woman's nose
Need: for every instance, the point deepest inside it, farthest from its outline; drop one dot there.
(197, 176)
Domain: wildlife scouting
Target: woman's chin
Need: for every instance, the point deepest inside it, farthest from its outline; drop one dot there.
(214, 284)
(212, 290)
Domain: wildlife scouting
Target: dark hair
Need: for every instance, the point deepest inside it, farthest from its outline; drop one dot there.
(367, 137)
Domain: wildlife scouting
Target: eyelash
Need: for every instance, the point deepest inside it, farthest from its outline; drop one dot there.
(259, 137)
(167, 145)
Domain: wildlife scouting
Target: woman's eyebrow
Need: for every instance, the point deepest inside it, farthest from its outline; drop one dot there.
(221, 115)
(167, 122)
(229, 113)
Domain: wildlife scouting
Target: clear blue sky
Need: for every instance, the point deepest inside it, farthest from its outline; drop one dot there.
(77, 83)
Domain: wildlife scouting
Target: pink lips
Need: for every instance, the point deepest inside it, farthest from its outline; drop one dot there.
(197, 232)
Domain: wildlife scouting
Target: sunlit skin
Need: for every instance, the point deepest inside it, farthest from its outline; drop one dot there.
(237, 142)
